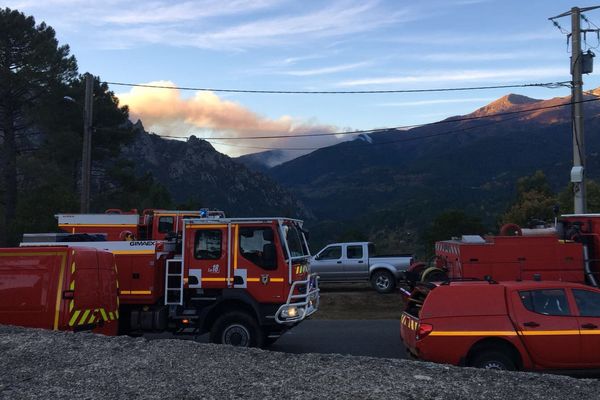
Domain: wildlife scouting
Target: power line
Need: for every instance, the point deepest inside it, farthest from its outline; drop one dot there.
(551, 85)
(402, 128)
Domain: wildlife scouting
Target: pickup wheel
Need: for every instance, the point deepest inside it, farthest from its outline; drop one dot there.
(493, 359)
(383, 281)
(237, 328)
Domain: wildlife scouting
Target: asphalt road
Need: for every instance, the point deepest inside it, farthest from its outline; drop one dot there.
(373, 338)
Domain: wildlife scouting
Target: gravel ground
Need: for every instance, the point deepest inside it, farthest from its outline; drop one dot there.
(39, 364)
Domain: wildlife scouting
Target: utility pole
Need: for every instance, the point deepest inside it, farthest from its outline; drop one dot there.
(578, 171)
(577, 71)
(86, 158)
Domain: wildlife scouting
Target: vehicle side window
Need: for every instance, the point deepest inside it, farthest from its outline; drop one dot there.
(207, 245)
(331, 253)
(354, 252)
(257, 245)
(546, 301)
(166, 224)
(588, 302)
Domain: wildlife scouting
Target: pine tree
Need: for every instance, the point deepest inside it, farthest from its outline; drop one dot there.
(32, 65)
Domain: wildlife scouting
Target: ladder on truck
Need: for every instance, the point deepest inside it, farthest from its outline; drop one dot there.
(174, 282)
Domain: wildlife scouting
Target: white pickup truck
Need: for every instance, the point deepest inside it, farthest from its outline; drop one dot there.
(357, 262)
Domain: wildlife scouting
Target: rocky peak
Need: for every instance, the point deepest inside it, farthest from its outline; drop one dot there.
(509, 102)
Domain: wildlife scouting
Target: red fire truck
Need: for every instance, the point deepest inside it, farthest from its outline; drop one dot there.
(59, 288)
(116, 224)
(246, 281)
(568, 251)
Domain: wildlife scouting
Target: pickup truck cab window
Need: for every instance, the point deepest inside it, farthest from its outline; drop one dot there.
(546, 301)
(354, 252)
(587, 302)
(331, 253)
(207, 245)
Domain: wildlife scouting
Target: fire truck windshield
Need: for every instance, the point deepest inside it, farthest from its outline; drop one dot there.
(295, 241)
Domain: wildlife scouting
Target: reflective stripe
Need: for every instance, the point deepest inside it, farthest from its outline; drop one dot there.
(207, 226)
(276, 279)
(111, 316)
(103, 313)
(74, 317)
(84, 317)
(73, 268)
(117, 313)
(72, 285)
(507, 333)
(549, 333)
(216, 279)
(59, 290)
(71, 305)
(136, 292)
(92, 319)
(471, 333)
(253, 279)
(133, 251)
(590, 332)
(235, 246)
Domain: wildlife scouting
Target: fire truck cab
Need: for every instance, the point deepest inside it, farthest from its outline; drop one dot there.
(246, 281)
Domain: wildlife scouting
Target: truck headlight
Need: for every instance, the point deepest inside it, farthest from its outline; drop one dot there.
(290, 312)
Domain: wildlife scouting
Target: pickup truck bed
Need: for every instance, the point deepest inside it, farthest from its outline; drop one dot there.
(355, 262)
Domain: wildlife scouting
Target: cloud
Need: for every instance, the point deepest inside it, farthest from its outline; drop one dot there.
(169, 12)
(483, 56)
(340, 18)
(327, 70)
(498, 75)
(166, 112)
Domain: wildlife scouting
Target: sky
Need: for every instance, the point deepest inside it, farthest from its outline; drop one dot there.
(336, 45)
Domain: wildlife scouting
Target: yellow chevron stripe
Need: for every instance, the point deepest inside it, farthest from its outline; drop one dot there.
(103, 313)
(111, 315)
(74, 317)
(84, 317)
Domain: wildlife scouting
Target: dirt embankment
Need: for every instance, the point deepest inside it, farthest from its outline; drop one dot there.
(39, 364)
(357, 301)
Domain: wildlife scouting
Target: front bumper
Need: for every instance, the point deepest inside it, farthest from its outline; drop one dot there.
(301, 305)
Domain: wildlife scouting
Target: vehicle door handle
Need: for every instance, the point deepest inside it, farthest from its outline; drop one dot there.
(339, 262)
(589, 326)
(531, 324)
(361, 262)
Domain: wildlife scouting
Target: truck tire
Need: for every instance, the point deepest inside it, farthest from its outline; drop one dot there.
(493, 359)
(434, 274)
(237, 328)
(383, 281)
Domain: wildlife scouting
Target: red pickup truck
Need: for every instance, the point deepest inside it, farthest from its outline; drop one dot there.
(509, 325)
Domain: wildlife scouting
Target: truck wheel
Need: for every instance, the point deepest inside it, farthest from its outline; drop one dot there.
(434, 275)
(383, 281)
(236, 329)
(491, 359)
